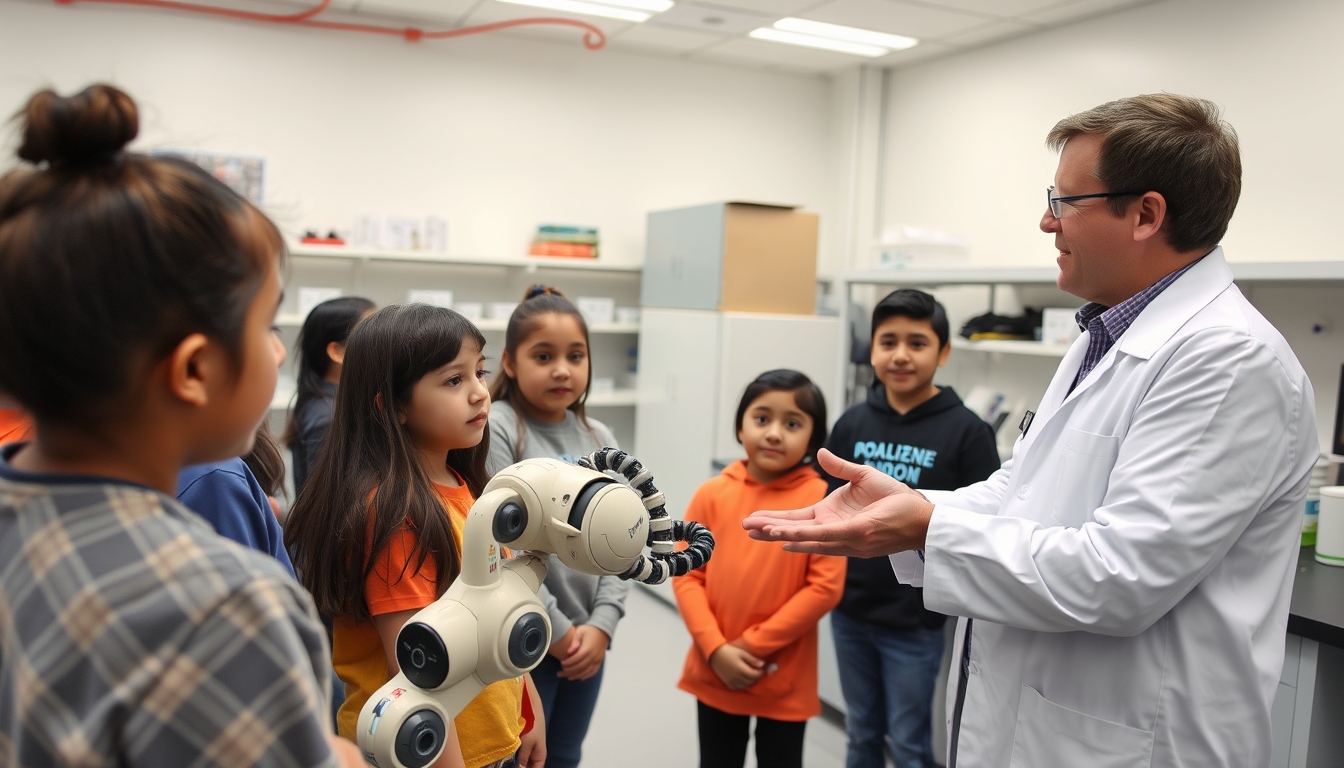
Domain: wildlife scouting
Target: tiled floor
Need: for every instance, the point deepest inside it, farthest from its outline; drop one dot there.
(643, 720)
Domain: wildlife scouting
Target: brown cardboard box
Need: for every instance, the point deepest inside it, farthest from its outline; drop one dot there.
(734, 256)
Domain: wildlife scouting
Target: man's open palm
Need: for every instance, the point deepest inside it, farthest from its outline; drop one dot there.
(867, 517)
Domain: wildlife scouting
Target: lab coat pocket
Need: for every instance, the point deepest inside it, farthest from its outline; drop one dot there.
(1050, 736)
(1085, 468)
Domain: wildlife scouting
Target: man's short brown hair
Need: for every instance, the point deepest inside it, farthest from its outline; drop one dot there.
(1178, 146)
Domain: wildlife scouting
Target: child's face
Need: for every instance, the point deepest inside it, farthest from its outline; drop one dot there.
(551, 365)
(775, 432)
(261, 354)
(449, 406)
(905, 355)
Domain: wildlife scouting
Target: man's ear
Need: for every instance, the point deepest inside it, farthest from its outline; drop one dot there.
(193, 369)
(1151, 213)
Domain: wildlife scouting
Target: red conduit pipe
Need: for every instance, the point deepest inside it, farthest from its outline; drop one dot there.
(593, 37)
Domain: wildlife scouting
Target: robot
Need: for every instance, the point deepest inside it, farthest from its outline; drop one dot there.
(489, 625)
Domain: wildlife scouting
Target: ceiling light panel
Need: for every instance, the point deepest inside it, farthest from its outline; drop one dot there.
(585, 9)
(652, 6)
(848, 34)
(826, 44)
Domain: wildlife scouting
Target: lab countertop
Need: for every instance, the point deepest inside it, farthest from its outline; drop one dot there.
(1317, 609)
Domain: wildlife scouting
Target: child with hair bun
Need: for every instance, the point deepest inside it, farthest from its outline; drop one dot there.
(538, 411)
(137, 298)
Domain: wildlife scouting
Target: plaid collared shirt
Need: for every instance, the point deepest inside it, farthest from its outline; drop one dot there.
(1105, 325)
(132, 635)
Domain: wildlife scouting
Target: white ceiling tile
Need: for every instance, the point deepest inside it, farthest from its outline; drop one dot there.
(1077, 10)
(713, 20)
(920, 52)
(775, 8)
(897, 18)
(428, 10)
(648, 37)
(987, 33)
(490, 12)
(787, 57)
(998, 8)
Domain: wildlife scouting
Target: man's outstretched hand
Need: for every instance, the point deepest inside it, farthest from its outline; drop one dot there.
(873, 515)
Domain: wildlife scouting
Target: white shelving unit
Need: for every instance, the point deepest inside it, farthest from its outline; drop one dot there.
(386, 276)
(529, 263)
(1295, 296)
(1004, 346)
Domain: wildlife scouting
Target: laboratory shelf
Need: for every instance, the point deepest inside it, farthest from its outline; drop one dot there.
(490, 324)
(621, 398)
(1036, 348)
(527, 263)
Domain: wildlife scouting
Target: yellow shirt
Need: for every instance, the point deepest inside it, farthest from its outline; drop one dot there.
(490, 725)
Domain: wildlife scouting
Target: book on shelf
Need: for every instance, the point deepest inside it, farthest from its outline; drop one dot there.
(570, 250)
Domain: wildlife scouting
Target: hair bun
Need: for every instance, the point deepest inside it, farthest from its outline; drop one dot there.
(541, 290)
(91, 126)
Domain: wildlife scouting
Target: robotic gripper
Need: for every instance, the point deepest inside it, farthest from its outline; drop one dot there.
(489, 625)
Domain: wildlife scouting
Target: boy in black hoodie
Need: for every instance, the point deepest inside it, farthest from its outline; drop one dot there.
(888, 644)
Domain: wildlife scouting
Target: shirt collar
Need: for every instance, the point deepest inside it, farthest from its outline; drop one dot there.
(1114, 321)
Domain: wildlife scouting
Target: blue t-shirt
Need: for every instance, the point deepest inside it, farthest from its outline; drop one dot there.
(229, 497)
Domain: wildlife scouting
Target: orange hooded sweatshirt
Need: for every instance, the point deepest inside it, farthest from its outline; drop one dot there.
(755, 591)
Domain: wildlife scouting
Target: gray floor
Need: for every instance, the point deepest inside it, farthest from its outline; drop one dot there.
(643, 719)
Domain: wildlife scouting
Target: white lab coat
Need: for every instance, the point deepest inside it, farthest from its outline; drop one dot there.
(1129, 569)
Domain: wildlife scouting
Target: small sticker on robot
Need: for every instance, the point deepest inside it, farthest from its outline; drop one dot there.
(493, 557)
(637, 526)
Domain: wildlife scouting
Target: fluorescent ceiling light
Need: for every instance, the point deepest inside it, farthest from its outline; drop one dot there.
(809, 41)
(850, 34)
(652, 6)
(586, 9)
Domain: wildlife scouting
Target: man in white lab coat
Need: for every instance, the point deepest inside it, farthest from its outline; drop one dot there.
(1127, 575)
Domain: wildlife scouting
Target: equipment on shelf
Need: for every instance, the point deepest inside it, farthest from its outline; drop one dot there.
(489, 625)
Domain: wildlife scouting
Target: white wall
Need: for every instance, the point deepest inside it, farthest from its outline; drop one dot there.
(966, 144)
(497, 133)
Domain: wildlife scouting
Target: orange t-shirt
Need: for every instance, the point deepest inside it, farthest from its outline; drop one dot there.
(490, 725)
(755, 591)
(15, 426)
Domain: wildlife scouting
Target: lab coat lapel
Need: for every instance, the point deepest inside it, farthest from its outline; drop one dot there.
(1158, 322)
(1174, 307)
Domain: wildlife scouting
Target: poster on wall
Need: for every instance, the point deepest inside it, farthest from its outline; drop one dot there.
(241, 173)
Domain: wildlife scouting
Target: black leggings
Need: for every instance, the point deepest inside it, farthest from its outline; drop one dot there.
(723, 740)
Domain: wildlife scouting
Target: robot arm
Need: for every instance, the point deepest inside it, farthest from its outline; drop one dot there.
(489, 625)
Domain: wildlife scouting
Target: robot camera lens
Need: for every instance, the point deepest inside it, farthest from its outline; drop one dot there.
(510, 522)
(426, 742)
(420, 739)
(418, 657)
(527, 641)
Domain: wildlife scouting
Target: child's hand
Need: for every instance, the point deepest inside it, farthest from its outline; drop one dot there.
(561, 648)
(586, 654)
(735, 666)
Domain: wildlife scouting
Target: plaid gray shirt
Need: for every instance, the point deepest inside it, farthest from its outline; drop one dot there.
(1105, 325)
(132, 635)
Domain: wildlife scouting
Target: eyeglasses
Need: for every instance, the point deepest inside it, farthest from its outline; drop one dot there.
(1057, 203)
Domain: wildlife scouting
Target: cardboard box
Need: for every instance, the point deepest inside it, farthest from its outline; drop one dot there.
(733, 256)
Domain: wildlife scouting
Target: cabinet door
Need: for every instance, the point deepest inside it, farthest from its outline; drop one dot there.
(675, 419)
(755, 343)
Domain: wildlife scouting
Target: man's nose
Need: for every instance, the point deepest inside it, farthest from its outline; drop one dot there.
(1048, 221)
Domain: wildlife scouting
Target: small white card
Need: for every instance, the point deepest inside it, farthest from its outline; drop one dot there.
(310, 297)
(597, 309)
(432, 298)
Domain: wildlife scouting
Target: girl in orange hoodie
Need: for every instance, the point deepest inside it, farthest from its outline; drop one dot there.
(753, 610)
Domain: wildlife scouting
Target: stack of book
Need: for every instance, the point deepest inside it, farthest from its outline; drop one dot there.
(557, 240)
